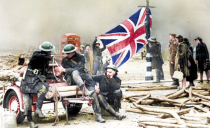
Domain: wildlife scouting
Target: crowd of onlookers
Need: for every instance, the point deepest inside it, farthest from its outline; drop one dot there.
(182, 57)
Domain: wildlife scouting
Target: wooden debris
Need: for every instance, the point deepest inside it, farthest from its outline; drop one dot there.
(152, 88)
(195, 113)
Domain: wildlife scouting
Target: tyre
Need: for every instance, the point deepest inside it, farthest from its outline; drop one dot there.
(73, 108)
(13, 104)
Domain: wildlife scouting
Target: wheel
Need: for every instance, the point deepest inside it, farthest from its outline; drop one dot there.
(73, 108)
(13, 104)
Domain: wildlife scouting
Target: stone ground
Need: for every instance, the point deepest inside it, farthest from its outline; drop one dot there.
(131, 73)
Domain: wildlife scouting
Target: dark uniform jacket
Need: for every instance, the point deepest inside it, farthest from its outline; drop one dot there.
(36, 73)
(155, 51)
(107, 85)
(77, 62)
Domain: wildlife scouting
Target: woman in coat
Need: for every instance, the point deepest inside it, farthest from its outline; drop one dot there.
(202, 58)
(192, 68)
(182, 60)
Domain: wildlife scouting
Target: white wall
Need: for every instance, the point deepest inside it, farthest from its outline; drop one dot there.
(25, 24)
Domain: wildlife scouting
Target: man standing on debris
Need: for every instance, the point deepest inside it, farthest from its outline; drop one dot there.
(34, 81)
(75, 72)
(97, 56)
(157, 61)
(109, 92)
(173, 44)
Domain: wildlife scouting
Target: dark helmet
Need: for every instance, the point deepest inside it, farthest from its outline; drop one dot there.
(108, 59)
(82, 46)
(46, 46)
(152, 39)
(69, 48)
(112, 67)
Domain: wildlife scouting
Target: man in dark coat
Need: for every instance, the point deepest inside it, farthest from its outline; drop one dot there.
(157, 60)
(97, 56)
(202, 58)
(34, 80)
(75, 72)
(173, 44)
(109, 91)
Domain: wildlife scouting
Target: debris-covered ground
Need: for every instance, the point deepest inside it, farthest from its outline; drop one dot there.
(145, 104)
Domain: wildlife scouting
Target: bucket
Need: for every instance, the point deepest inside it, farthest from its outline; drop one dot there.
(8, 119)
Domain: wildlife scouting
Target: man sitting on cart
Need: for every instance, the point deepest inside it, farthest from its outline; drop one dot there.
(34, 81)
(75, 72)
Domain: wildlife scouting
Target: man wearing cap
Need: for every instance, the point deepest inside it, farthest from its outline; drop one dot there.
(155, 51)
(108, 60)
(85, 54)
(109, 92)
(97, 56)
(34, 80)
(173, 44)
(75, 72)
(202, 58)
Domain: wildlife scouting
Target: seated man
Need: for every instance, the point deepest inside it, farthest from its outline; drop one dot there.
(109, 91)
(34, 80)
(74, 71)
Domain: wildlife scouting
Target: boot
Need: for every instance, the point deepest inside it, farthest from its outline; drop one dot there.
(32, 125)
(86, 91)
(100, 119)
(119, 116)
(39, 113)
(115, 114)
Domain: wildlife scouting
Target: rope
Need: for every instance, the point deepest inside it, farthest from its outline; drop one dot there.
(55, 94)
(54, 62)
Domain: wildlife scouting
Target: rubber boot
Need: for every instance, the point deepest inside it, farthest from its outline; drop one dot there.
(115, 114)
(100, 119)
(39, 113)
(32, 125)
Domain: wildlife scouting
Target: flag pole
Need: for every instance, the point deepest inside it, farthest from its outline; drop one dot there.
(149, 75)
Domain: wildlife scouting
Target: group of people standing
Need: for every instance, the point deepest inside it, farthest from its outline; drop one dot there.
(107, 95)
(182, 57)
(94, 58)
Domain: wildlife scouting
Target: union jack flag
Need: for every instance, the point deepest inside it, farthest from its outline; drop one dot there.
(127, 38)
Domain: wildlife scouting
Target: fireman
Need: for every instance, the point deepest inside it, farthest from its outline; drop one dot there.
(34, 80)
(75, 72)
(109, 92)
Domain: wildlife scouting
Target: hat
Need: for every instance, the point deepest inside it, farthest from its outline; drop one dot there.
(152, 39)
(69, 48)
(112, 67)
(46, 46)
(82, 46)
(108, 59)
(198, 38)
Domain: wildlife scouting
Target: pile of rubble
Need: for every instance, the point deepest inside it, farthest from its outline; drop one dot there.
(183, 108)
